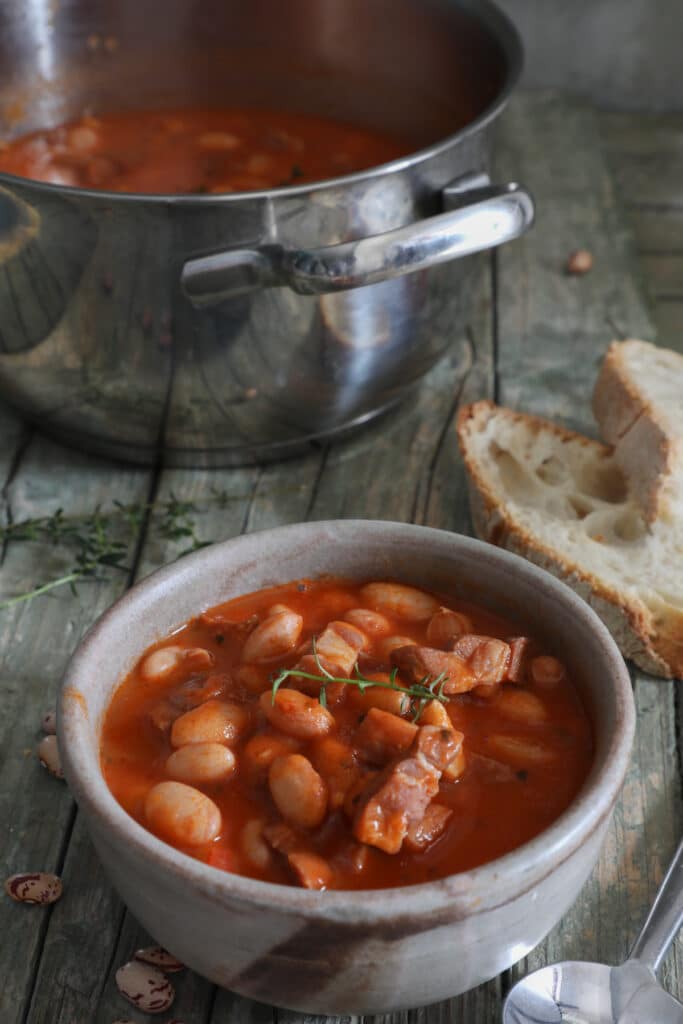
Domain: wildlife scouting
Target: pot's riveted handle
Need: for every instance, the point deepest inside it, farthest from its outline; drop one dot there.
(486, 216)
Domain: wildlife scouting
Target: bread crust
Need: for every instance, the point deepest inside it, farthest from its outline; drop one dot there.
(653, 642)
(646, 446)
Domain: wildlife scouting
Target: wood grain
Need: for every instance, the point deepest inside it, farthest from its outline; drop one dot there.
(534, 341)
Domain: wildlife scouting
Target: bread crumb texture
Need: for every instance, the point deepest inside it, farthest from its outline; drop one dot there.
(562, 501)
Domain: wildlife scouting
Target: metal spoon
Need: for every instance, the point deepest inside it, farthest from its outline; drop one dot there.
(574, 992)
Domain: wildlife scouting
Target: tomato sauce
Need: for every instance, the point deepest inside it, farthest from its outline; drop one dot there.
(525, 746)
(196, 151)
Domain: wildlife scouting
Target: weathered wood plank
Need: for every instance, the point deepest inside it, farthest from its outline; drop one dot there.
(36, 641)
(668, 316)
(646, 157)
(553, 331)
(554, 328)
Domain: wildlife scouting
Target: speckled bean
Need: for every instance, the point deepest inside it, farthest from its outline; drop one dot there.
(145, 987)
(38, 887)
(159, 957)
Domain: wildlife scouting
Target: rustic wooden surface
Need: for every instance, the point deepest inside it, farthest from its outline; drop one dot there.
(609, 183)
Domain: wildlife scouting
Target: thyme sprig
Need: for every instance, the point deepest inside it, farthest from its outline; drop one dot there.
(100, 539)
(422, 693)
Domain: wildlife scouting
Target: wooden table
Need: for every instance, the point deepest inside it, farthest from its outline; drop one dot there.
(609, 183)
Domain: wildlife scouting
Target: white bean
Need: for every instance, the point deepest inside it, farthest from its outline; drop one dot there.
(296, 714)
(392, 643)
(276, 635)
(181, 814)
(254, 846)
(164, 660)
(521, 706)
(219, 140)
(216, 721)
(369, 621)
(520, 753)
(201, 762)
(546, 671)
(299, 793)
(446, 626)
(398, 599)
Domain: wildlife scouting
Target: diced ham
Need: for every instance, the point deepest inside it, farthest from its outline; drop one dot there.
(425, 832)
(417, 663)
(310, 870)
(437, 745)
(519, 653)
(487, 657)
(396, 801)
(383, 736)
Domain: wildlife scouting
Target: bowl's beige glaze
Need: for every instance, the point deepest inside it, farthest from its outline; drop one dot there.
(349, 952)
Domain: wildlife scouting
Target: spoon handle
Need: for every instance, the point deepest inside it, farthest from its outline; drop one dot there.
(665, 917)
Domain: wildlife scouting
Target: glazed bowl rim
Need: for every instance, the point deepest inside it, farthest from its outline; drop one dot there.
(511, 875)
(486, 13)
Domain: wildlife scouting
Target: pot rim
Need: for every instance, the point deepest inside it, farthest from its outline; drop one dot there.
(488, 15)
(466, 893)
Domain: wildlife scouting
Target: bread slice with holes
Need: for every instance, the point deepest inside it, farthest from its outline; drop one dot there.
(562, 501)
(638, 405)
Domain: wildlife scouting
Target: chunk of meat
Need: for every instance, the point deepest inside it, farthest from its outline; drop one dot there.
(416, 663)
(310, 870)
(487, 657)
(437, 745)
(446, 626)
(421, 835)
(396, 801)
(224, 626)
(519, 654)
(198, 689)
(474, 660)
(337, 647)
(383, 736)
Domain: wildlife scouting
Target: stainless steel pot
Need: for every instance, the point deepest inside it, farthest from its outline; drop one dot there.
(227, 329)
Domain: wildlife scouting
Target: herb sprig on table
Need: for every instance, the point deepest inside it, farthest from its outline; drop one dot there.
(100, 540)
(426, 690)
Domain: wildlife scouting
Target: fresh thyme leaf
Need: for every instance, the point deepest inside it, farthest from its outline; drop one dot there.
(421, 691)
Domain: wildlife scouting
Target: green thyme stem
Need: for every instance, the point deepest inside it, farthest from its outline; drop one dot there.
(423, 692)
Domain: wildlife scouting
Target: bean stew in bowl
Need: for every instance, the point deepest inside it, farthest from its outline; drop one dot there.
(335, 734)
(318, 760)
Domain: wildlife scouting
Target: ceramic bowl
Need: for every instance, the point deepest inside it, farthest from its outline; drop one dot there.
(349, 952)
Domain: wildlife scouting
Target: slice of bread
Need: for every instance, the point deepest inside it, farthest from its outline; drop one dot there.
(638, 405)
(561, 500)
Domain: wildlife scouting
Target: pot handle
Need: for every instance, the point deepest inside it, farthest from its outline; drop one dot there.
(483, 216)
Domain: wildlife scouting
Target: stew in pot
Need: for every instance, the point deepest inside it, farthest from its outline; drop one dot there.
(334, 734)
(196, 151)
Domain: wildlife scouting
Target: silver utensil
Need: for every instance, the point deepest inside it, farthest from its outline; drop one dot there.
(576, 992)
